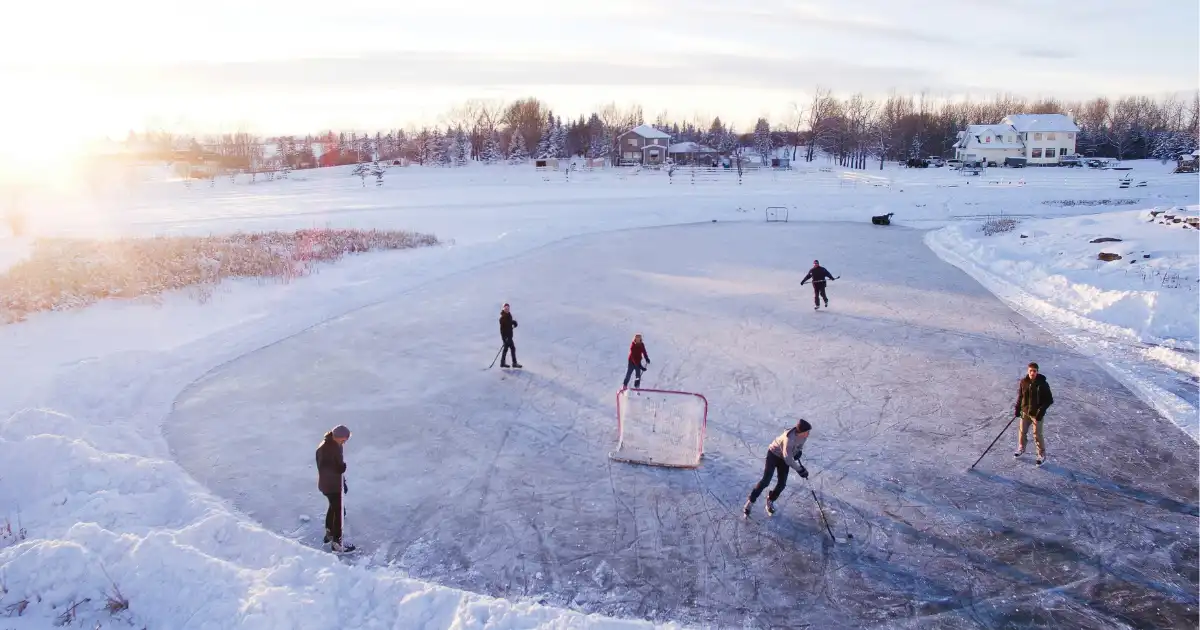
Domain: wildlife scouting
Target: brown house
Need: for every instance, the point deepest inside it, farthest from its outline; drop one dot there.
(642, 145)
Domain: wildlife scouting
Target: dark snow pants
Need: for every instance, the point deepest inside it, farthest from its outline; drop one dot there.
(775, 465)
(508, 346)
(634, 367)
(819, 294)
(333, 516)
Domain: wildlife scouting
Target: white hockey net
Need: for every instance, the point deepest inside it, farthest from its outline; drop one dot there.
(660, 428)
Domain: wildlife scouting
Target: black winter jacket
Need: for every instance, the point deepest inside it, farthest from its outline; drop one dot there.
(818, 275)
(330, 465)
(1033, 397)
(507, 324)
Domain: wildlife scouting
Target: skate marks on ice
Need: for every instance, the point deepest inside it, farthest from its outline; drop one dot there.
(503, 485)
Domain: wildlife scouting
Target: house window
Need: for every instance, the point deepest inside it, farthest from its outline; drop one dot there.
(1062, 151)
(987, 139)
(1050, 136)
(1037, 153)
(632, 142)
(1037, 136)
(628, 155)
(1071, 136)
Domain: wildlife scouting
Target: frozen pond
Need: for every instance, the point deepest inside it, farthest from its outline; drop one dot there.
(500, 483)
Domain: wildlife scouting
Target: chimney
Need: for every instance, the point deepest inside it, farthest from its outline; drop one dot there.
(1071, 114)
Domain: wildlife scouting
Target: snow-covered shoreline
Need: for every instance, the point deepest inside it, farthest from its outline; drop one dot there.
(1139, 322)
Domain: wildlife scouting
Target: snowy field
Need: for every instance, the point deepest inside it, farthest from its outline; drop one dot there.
(167, 449)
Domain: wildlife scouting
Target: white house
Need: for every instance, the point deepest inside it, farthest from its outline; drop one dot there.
(988, 143)
(1040, 138)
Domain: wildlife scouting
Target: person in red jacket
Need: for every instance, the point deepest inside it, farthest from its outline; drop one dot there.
(637, 350)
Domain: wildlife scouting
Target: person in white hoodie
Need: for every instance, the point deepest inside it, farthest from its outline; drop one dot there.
(783, 453)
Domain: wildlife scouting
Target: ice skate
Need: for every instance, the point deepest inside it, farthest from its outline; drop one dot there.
(1020, 452)
(1040, 460)
(770, 508)
(338, 547)
(746, 509)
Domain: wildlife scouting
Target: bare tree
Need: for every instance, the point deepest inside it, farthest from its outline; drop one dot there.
(795, 121)
(616, 121)
(820, 110)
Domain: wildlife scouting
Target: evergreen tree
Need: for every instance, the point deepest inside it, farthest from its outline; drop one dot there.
(763, 142)
(558, 141)
(545, 146)
(462, 147)
(517, 153)
(597, 138)
(491, 149)
(436, 148)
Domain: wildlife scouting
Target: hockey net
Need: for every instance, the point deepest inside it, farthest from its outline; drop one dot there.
(660, 428)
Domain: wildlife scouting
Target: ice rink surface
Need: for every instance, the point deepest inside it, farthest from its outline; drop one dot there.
(500, 482)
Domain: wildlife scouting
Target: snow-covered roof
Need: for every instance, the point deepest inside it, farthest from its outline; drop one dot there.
(977, 135)
(690, 147)
(646, 131)
(1024, 123)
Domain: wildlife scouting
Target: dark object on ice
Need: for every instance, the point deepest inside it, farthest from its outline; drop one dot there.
(1105, 239)
(1145, 255)
(1023, 236)
(1108, 256)
(883, 219)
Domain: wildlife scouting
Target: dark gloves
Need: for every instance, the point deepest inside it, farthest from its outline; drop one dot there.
(345, 488)
(803, 471)
(514, 323)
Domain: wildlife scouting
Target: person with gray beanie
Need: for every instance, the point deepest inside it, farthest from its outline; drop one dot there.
(331, 465)
(782, 454)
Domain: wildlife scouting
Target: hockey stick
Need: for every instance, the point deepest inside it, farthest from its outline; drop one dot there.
(985, 452)
(496, 357)
(822, 510)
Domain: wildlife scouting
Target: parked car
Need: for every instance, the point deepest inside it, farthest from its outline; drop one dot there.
(1015, 162)
(935, 161)
(954, 163)
(1072, 161)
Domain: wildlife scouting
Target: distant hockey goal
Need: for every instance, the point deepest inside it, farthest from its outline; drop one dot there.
(660, 428)
(777, 213)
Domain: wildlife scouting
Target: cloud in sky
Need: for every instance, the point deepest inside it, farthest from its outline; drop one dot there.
(292, 65)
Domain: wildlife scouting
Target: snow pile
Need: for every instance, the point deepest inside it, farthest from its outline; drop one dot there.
(1138, 314)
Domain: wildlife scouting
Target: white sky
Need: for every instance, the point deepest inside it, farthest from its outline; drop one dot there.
(296, 66)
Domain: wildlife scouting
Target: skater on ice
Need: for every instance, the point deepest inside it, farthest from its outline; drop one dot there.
(818, 275)
(331, 465)
(507, 324)
(637, 351)
(783, 453)
(1033, 398)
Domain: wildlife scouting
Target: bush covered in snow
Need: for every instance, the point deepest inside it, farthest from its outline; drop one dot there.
(70, 273)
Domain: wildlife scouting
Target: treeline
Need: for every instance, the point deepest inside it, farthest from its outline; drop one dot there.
(856, 131)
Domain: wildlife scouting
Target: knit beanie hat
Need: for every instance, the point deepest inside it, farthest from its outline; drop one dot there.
(341, 431)
(803, 426)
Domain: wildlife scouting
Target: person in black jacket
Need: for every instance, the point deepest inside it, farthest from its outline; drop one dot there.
(507, 324)
(818, 275)
(331, 465)
(1033, 398)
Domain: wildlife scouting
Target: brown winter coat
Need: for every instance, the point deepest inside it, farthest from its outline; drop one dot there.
(330, 465)
(1033, 397)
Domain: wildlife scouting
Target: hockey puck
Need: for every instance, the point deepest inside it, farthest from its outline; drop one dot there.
(849, 535)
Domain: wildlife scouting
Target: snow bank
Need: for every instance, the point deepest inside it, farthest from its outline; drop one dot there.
(1138, 315)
